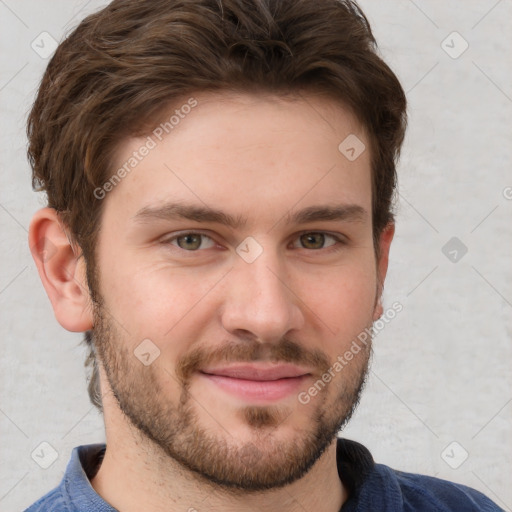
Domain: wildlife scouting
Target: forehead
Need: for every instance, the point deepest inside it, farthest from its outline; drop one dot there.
(246, 152)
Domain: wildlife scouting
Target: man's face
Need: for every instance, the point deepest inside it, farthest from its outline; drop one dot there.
(206, 296)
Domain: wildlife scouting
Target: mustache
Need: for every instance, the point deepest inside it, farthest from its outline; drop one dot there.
(286, 351)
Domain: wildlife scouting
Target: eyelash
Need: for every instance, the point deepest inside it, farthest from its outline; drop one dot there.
(334, 248)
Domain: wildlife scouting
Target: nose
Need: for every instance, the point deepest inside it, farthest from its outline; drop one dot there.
(260, 300)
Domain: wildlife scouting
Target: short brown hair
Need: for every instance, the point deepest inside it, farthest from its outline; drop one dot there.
(113, 76)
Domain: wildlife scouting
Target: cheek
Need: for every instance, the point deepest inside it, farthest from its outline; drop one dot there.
(343, 299)
(154, 302)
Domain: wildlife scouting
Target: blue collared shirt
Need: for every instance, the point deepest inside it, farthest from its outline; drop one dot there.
(372, 487)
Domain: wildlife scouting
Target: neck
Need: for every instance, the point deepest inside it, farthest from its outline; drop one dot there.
(135, 475)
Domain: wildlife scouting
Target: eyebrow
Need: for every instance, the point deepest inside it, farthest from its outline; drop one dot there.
(203, 213)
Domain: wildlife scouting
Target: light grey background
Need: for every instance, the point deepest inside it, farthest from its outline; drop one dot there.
(441, 371)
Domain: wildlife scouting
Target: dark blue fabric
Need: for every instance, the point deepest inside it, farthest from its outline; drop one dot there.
(75, 493)
(372, 487)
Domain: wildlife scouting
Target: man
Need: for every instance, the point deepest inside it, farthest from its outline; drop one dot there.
(219, 179)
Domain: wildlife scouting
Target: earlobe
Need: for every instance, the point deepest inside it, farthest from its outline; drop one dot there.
(378, 310)
(62, 271)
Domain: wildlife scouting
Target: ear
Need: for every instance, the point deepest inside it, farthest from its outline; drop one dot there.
(62, 271)
(385, 240)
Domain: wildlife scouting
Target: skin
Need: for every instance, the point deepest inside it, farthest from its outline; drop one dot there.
(175, 441)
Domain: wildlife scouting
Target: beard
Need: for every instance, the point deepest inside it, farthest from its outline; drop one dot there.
(175, 430)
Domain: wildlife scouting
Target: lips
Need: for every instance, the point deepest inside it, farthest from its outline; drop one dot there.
(258, 372)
